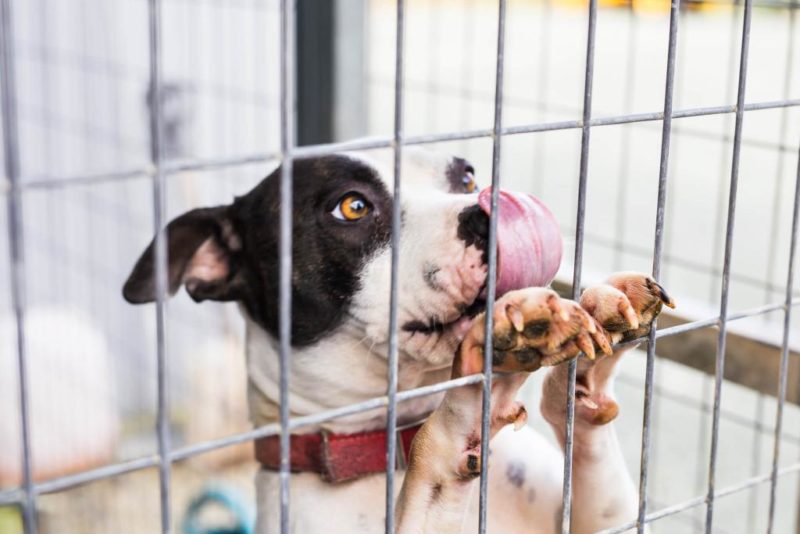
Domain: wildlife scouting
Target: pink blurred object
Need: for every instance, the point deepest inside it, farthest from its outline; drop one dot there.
(529, 242)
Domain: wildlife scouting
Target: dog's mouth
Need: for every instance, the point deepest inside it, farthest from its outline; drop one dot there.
(529, 252)
(433, 326)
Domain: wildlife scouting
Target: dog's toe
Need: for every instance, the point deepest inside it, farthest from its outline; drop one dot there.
(627, 304)
(534, 327)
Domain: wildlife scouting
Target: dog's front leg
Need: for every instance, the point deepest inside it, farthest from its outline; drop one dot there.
(603, 492)
(532, 328)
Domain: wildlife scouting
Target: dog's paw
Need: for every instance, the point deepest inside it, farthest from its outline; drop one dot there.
(594, 400)
(626, 304)
(533, 327)
(625, 307)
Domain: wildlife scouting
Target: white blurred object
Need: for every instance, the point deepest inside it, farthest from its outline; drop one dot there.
(216, 403)
(73, 410)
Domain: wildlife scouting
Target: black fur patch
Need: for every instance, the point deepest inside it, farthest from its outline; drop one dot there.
(536, 329)
(429, 272)
(473, 228)
(472, 462)
(527, 357)
(515, 473)
(498, 358)
(504, 341)
(328, 254)
(456, 171)
(436, 492)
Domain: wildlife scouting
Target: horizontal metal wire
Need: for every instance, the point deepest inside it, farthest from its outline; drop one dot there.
(62, 483)
(699, 501)
(211, 164)
(674, 260)
(690, 402)
(158, 169)
(272, 429)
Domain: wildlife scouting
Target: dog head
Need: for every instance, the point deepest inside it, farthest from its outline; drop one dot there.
(341, 254)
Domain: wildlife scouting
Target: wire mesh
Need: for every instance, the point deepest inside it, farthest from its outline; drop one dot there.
(159, 201)
(14, 201)
(160, 168)
(726, 269)
(391, 413)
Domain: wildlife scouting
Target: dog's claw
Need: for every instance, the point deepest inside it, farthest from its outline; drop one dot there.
(628, 313)
(554, 303)
(585, 343)
(665, 298)
(588, 322)
(601, 339)
(521, 419)
(586, 401)
(515, 316)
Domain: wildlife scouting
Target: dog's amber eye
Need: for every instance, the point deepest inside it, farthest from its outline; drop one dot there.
(469, 182)
(351, 208)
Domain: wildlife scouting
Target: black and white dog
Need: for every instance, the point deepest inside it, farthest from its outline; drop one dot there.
(340, 294)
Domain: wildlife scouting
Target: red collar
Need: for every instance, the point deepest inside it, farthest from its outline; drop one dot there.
(337, 457)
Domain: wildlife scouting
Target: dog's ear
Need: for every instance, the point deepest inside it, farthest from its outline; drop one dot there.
(202, 253)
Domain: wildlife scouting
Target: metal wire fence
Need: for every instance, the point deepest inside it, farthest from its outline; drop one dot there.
(160, 167)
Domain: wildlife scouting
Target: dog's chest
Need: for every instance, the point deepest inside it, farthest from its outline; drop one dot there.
(337, 371)
(524, 494)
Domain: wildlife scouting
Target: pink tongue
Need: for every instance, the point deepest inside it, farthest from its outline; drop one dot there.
(528, 240)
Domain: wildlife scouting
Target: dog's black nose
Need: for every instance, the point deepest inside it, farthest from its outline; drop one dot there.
(473, 226)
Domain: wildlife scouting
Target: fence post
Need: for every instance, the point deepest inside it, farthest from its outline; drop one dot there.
(16, 248)
(330, 44)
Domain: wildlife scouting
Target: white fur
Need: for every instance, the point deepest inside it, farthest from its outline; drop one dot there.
(350, 365)
(358, 506)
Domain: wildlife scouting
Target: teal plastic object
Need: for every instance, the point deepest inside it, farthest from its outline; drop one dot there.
(242, 513)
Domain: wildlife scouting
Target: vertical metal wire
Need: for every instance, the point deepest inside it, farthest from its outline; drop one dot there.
(566, 510)
(492, 274)
(391, 424)
(620, 222)
(435, 91)
(287, 77)
(771, 261)
(678, 92)
(726, 268)
(755, 459)
(778, 191)
(159, 201)
(730, 74)
(470, 28)
(542, 88)
(784, 368)
(16, 247)
(663, 173)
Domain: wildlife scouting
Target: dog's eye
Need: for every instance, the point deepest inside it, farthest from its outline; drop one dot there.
(468, 181)
(351, 208)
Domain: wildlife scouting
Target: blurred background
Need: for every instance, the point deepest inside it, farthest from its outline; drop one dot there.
(83, 104)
